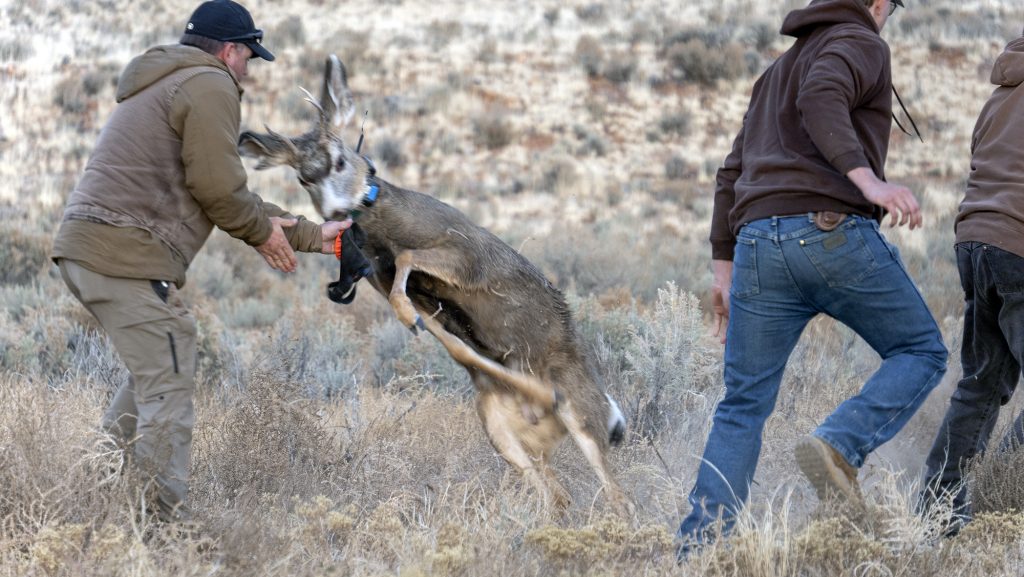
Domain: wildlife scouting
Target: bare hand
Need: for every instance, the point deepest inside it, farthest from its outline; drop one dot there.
(330, 231)
(720, 296)
(276, 251)
(898, 200)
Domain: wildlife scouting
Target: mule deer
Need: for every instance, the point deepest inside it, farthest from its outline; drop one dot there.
(494, 311)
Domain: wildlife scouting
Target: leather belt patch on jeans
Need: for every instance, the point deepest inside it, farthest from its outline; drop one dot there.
(827, 220)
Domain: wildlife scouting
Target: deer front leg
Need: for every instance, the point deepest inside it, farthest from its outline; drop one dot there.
(400, 301)
(443, 265)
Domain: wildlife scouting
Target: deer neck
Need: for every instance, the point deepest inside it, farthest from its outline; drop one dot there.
(372, 191)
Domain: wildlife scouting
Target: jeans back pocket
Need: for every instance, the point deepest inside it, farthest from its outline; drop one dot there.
(841, 256)
(744, 269)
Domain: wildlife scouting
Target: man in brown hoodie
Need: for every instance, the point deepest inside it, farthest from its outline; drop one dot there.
(990, 256)
(795, 233)
(163, 173)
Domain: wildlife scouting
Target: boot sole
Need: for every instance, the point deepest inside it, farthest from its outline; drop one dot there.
(828, 480)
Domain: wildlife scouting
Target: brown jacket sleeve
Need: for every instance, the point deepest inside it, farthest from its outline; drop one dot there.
(206, 113)
(849, 70)
(723, 242)
(305, 236)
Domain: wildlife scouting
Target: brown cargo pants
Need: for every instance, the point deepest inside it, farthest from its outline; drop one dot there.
(155, 336)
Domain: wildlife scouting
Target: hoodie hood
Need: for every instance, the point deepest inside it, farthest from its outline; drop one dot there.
(158, 62)
(818, 13)
(1009, 68)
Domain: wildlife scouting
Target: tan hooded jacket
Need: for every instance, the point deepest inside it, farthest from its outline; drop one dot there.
(992, 211)
(164, 171)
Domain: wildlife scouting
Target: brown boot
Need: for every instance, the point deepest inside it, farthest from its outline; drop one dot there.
(827, 470)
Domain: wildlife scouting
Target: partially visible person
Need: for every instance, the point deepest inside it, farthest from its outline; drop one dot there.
(795, 233)
(990, 256)
(163, 173)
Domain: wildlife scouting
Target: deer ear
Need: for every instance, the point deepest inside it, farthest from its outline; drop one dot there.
(336, 98)
(271, 149)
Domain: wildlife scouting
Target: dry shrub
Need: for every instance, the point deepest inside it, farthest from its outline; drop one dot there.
(424, 362)
(676, 125)
(580, 550)
(620, 68)
(324, 357)
(454, 550)
(589, 54)
(669, 360)
(288, 32)
(320, 522)
(995, 529)
(762, 35)
(695, 61)
(441, 33)
(557, 174)
(591, 142)
(54, 470)
(388, 151)
(677, 168)
(24, 254)
(57, 546)
(57, 339)
(996, 481)
(217, 362)
(15, 49)
(493, 130)
(349, 44)
(593, 13)
(70, 95)
(834, 545)
(270, 441)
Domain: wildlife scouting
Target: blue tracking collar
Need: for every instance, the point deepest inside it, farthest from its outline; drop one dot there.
(371, 197)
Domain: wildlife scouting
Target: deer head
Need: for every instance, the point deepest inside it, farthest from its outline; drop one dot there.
(333, 174)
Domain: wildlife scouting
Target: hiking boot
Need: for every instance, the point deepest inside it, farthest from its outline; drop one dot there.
(827, 470)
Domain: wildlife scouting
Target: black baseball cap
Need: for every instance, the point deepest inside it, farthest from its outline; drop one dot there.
(227, 21)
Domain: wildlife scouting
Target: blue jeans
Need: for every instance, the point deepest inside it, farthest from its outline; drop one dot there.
(785, 272)
(993, 349)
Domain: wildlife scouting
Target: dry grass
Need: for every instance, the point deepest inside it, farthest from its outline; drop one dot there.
(332, 442)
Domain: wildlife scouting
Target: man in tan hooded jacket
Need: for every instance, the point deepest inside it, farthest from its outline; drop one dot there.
(990, 256)
(163, 173)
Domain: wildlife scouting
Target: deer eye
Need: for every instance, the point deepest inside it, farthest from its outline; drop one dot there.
(340, 164)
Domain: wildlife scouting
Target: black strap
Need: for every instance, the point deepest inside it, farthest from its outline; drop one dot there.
(909, 117)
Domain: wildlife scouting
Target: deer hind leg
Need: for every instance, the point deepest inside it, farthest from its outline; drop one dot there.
(594, 453)
(503, 421)
(441, 265)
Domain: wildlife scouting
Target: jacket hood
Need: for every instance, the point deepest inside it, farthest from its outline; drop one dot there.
(1009, 68)
(158, 62)
(827, 13)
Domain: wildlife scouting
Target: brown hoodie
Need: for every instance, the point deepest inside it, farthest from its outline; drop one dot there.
(164, 171)
(992, 211)
(819, 111)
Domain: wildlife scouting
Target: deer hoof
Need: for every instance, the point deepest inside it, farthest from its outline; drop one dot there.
(417, 325)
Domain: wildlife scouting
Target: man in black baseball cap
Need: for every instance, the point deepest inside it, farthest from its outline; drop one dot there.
(164, 172)
(227, 21)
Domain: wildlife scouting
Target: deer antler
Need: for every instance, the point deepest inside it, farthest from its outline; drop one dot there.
(310, 99)
(292, 149)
